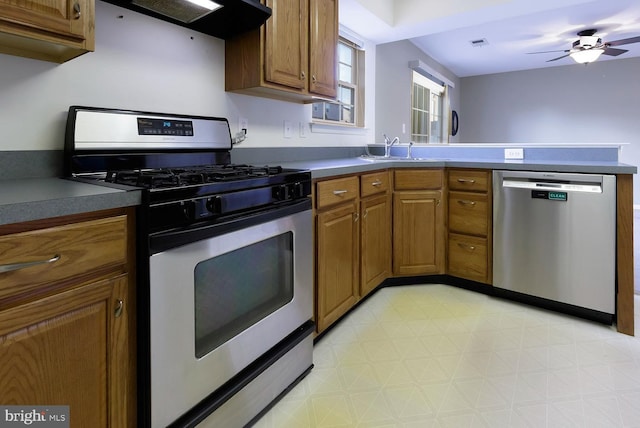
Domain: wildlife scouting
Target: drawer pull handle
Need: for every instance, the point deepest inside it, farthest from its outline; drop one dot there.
(465, 202)
(18, 266)
(118, 310)
(339, 192)
(356, 217)
(377, 183)
(469, 247)
(466, 180)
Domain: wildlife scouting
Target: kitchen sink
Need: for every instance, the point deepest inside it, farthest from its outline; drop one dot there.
(379, 158)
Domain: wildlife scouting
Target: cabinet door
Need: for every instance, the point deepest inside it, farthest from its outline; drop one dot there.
(375, 248)
(67, 349)
(337, 267)
(286, 43)
(323, 42)
(65, 18)
(418, 233)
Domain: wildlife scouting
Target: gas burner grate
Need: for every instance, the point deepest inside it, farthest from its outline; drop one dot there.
(179, 177)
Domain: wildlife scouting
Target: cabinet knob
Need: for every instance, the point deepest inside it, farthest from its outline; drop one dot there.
(302, 76)
(466, 246)
(118, 310)
(76, 10)
(313, 78)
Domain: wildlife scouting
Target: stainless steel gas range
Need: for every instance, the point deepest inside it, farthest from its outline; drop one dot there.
(225, 288)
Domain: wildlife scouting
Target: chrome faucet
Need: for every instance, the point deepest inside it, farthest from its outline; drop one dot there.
(388, 143)
(409, 156)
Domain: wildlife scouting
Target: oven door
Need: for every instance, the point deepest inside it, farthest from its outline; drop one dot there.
(218, 304)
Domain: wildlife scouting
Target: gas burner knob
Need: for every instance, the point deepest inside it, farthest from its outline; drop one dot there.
(281, 192)
(297, 190)
(214, 205)
(189, 210)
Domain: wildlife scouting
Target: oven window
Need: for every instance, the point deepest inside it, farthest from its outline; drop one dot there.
(235, 290)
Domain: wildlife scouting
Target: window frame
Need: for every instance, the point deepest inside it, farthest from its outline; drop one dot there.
(431, 87)
(357, 88)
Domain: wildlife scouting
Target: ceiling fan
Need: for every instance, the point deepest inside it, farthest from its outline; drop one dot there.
(589, 47)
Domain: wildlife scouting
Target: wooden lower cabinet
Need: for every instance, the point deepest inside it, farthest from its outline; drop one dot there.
(469, 253)
(70, 339)
(468, 257)
(418, 232)
(375, 242)
(337, 263)
(68, 349)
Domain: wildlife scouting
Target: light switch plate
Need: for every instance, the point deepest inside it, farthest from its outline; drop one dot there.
(514, 153)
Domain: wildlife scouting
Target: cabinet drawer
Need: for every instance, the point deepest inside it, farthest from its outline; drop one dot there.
(473, 181)
(468, 257)
(468, 213)
(77, 251)
(417, 179)
(336, 191)
(371, 184)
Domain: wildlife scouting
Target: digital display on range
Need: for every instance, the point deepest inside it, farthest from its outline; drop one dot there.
(148, 126)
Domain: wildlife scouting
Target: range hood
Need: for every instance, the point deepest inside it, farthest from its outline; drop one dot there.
(233, 17)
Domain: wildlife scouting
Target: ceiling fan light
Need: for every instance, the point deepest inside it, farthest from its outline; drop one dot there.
(586, 56)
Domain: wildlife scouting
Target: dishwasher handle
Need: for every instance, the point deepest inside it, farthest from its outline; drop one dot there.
(532, 184)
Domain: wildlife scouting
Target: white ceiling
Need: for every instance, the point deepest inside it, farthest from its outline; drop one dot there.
(512, 28)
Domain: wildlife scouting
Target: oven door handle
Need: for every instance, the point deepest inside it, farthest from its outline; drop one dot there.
(162, 241)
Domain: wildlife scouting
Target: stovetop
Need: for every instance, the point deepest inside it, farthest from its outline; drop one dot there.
(170, 178)
(182, 164)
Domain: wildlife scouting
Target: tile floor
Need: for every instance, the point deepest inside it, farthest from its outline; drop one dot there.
(439, 356)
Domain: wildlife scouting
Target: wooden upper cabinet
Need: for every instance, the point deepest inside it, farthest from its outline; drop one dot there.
(323, 40)
(285, 43)
(50, 30)
(292, 57)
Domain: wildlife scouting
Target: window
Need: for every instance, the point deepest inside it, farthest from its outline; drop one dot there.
(427, 101)
(348, 109)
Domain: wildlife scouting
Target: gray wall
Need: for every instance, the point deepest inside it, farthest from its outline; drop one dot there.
(575, 104)
(393, 88)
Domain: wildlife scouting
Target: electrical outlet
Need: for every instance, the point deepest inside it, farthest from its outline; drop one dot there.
(303, 129)
(514, 153)
(288, 129)
(243, 125)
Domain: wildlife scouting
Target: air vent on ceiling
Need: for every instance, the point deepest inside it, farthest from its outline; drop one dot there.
(479, 43)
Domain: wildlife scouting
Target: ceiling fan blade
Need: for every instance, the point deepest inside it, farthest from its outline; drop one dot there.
(624, 41)
(613, 51)
(560, 57)
(562, 50)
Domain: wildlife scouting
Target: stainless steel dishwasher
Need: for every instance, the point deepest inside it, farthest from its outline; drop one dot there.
(554, 238)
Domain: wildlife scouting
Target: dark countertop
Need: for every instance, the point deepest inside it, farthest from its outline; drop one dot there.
(330, 167)
(39, 198)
